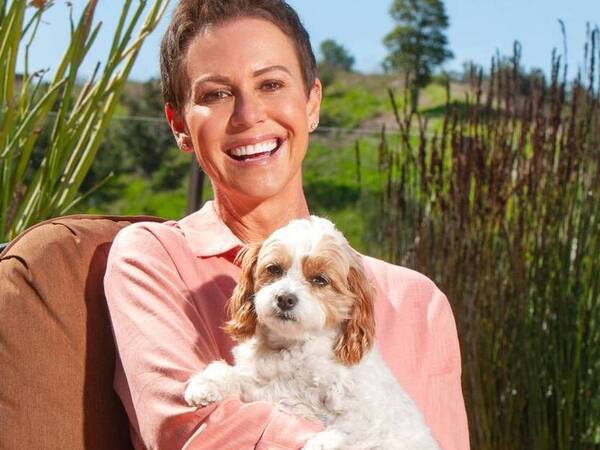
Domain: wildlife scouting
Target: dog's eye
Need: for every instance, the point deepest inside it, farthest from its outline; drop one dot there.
(274, 270)
(319, 280)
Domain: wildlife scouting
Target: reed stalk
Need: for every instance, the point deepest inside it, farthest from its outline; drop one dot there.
(502, 208)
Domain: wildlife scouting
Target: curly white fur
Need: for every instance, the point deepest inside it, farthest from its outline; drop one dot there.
(294, 357)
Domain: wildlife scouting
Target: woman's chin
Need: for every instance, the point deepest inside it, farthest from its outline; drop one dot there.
(257, 191)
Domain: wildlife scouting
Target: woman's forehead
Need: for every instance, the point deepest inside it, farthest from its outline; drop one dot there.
(240, 46)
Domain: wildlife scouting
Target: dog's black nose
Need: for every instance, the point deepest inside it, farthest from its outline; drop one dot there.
(286, 301)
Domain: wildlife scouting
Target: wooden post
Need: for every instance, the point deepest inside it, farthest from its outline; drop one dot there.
(195, 187)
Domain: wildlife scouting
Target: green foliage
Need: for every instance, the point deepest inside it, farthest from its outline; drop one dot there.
(174, 168)
(72, 120)
(148, 145)
(418, 44)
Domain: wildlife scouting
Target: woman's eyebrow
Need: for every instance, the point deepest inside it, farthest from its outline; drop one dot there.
(271, 68)
(225, 79)
(209, 77)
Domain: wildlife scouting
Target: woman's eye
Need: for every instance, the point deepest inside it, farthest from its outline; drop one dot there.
(272, 85)
(274, 270)
(215, 96)
(319, 280)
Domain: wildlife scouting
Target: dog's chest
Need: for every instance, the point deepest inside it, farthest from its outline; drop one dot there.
(305, 385)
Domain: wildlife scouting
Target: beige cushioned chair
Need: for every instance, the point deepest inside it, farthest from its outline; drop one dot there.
(57, 354)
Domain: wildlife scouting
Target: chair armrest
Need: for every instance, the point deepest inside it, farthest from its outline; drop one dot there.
(57, 353)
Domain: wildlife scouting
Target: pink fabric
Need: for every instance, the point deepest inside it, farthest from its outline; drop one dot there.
(166, 286)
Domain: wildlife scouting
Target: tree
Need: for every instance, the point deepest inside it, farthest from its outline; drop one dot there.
(336, 56)
(418, 44)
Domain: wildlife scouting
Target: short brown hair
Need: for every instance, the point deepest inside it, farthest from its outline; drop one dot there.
(192, 16)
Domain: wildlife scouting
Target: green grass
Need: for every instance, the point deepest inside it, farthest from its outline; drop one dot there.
(138, 197)
(336, 189)
(347, 105)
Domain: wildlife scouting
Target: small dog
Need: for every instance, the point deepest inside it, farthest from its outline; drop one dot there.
(303, 314)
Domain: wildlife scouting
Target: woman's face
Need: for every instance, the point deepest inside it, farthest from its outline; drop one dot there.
(247, 115)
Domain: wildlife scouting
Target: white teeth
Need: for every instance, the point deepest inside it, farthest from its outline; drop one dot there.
(262, 147)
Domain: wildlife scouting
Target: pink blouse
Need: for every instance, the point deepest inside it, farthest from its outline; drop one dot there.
(166, 287)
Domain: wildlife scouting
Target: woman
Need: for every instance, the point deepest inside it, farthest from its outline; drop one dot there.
(241, 92)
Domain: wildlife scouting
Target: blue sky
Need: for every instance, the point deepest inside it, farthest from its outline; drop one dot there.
(478, 28)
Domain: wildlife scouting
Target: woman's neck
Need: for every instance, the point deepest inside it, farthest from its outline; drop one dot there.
(254, 221)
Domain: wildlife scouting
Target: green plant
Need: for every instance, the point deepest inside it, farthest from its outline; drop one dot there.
(77, 116)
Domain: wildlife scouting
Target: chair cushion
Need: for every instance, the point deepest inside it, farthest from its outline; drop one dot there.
(57, 354)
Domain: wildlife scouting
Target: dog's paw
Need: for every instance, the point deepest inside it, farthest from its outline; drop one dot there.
(326, 440)
(201, 392)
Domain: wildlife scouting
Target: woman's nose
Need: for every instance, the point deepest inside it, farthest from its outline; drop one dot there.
(248, 111)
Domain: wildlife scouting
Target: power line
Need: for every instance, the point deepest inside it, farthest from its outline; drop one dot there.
(319, 130)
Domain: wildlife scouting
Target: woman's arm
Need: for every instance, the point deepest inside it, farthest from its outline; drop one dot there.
(416, 334)
(444, 399)
(163, 338)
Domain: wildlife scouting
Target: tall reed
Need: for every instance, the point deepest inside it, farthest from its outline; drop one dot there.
(501, 207)
(78, 116)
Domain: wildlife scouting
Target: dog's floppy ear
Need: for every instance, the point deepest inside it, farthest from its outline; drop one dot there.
(240, 307)
(358, 332)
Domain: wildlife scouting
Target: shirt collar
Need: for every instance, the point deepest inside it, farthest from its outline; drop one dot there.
(207, 234)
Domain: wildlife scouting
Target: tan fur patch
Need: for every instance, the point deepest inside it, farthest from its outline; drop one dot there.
(274, 253)
(330, 261)
(240, 307)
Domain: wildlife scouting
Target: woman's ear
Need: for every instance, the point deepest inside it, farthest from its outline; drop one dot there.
(177, 124)
(358, 332)
(240, 307)
(313, 107)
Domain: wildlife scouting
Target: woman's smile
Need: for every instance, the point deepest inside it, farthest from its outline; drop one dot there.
(258, 150)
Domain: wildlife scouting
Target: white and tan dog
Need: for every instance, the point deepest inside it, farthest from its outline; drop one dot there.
(303, 314)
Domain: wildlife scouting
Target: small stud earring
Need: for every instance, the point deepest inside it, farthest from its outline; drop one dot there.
(313, 126)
